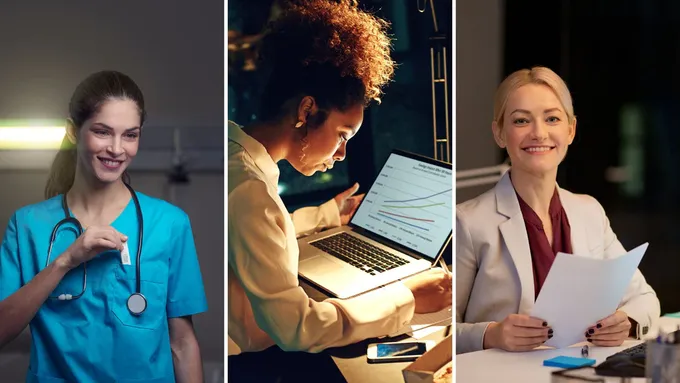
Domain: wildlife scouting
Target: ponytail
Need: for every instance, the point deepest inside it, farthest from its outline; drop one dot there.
(63, 170)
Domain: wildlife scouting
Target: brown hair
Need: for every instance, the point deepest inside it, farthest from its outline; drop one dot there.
(86, 101)
(330, 50)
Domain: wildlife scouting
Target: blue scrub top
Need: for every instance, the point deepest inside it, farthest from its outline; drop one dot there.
(95, 338)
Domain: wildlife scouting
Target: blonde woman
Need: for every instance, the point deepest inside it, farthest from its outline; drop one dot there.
(507, 238)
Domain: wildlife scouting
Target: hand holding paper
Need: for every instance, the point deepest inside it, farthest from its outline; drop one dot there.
(611, 331)
(517, 333)
(578, 292)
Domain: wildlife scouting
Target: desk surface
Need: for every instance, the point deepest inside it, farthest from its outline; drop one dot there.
(351, 359)
(352, 362)
(528, 366)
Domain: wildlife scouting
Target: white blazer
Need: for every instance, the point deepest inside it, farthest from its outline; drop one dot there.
(494, 274)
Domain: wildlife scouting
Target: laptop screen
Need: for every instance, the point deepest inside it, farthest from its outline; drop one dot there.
(410, 203)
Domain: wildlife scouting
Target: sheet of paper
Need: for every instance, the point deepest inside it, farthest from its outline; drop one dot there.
(580, 291)
(421, 321)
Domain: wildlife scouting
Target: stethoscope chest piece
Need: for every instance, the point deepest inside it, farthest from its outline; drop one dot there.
(136, 303)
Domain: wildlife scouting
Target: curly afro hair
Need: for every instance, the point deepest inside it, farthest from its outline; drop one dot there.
(330, 50)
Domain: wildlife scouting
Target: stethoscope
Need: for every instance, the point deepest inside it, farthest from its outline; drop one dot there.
(136, 303)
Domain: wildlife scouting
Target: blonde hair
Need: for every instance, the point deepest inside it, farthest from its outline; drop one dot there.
(536, 75)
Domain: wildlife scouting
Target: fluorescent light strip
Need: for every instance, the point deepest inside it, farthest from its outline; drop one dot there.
(28, 137)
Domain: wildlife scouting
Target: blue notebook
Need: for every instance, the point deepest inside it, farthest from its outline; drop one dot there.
(568, 362)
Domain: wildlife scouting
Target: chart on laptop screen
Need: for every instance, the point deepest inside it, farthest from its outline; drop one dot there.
(410, 203)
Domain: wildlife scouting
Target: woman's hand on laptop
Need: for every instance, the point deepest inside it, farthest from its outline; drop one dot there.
(348, 203)
(432, 290)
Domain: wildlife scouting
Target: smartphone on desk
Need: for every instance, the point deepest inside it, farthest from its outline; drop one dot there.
(398, 351)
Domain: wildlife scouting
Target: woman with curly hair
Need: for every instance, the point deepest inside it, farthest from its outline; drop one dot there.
(325, 62)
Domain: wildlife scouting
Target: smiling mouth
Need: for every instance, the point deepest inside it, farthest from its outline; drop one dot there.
(538, 149)
(109, 163)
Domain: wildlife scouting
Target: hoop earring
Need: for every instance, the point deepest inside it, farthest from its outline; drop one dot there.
(305, 145)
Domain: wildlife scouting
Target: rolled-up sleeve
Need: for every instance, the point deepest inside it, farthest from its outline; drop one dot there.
(266, 267)
(312, 219)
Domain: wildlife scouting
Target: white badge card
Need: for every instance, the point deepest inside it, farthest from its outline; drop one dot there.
(125, 254)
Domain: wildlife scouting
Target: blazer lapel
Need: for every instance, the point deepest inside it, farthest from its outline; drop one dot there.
(579, 236)
(516, 239)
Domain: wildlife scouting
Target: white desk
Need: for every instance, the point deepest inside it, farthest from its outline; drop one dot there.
(527, 367)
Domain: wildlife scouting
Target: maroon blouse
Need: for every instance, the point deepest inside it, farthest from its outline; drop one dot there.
(542, 255)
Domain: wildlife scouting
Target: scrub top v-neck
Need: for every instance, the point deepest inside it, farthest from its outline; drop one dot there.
(95, 338)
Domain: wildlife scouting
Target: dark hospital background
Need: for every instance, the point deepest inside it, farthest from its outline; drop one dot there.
(620, 60)
(175, 52)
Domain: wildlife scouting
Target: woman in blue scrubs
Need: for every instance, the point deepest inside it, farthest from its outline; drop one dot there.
(98, 311)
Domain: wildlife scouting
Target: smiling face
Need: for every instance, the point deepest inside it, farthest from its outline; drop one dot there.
(109, 140)
(327, 141)
(535, 130)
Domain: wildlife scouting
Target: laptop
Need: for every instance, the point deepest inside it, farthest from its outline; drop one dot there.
(401, 228)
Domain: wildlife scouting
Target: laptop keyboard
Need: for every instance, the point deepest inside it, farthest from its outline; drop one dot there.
(358, 253)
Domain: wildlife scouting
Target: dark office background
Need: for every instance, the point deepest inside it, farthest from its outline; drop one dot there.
(620, 61)
(403, 120)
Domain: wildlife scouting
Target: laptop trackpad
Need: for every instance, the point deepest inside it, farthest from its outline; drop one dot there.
(319, 266)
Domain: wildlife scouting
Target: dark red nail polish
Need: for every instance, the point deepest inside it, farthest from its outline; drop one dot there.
(599, 325)
(591, 331)
(545, 324)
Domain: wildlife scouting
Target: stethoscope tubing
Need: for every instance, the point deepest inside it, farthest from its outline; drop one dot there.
(79, 229)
